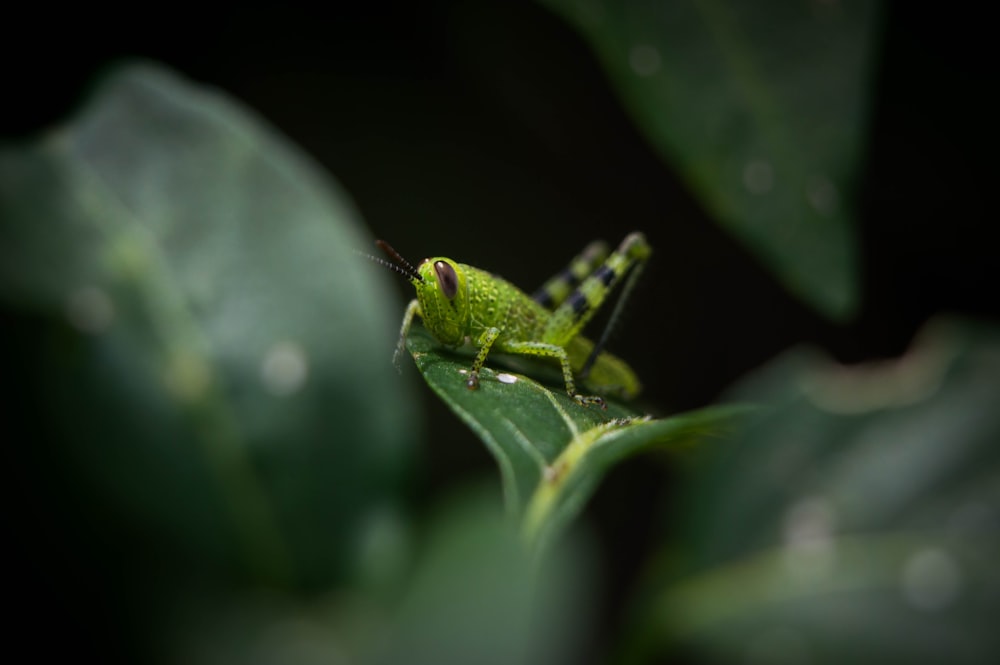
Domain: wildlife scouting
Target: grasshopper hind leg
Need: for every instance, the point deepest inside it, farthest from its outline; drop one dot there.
(553, 292)
(569, 318)
(636, 251)
(543, 350)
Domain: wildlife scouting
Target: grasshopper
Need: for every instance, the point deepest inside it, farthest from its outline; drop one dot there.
(460, 304)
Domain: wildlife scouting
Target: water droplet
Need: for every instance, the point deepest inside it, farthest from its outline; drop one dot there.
(808, 536)
(822, 195)
(930, 579)
(506, 378)
(758, 177)
(284, 368)
(90, 310)
(644, 60)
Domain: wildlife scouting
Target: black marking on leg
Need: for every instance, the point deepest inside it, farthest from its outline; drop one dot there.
(568, 277)
(630, 276)
(543, 298)
(605, 274)
(579, 303)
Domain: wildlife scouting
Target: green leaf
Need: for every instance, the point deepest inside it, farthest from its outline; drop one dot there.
(478, 596)
(474, 595)
(552, 452)
(857, 520)
(762, 109)
(206, 361)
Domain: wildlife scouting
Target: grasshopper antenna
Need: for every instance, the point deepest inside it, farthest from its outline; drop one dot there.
(401, 265)
(397, 257)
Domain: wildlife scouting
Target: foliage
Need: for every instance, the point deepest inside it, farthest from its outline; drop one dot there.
(762, 112)
(868, 529)
(552, 452)
(208, 414)
(208, 388)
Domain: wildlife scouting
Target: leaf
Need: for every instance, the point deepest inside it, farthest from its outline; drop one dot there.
(478, 596)
(552, 452)
(857, 520)
(206, 362)
(762, 110)
(525, 609)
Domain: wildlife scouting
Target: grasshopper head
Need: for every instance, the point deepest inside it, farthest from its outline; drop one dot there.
(443, 297)
(441, 290)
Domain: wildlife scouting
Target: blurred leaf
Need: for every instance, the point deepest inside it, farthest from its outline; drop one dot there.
(552, 452)
(762, 108)
(211, 363)
(521, 610)
(858, 520)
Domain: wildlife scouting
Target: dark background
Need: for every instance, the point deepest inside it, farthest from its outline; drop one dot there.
(486, 131)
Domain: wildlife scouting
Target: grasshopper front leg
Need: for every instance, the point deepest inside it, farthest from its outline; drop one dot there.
(413, 309)
(485, 343)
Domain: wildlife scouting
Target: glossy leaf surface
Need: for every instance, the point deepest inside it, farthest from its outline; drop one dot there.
(762, 109)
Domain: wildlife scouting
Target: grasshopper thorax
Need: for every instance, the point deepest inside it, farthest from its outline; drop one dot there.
(443, 294)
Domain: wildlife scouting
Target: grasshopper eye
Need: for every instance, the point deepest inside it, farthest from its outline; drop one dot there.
(447, 279)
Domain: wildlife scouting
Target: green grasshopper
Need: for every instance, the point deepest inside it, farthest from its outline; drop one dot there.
(460, 304)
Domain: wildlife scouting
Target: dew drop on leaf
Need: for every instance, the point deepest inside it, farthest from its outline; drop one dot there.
(284, 368)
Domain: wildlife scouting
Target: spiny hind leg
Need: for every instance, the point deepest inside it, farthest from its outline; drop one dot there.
(553, 292)
(636, 251)
(581, 305)
(543, 350)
